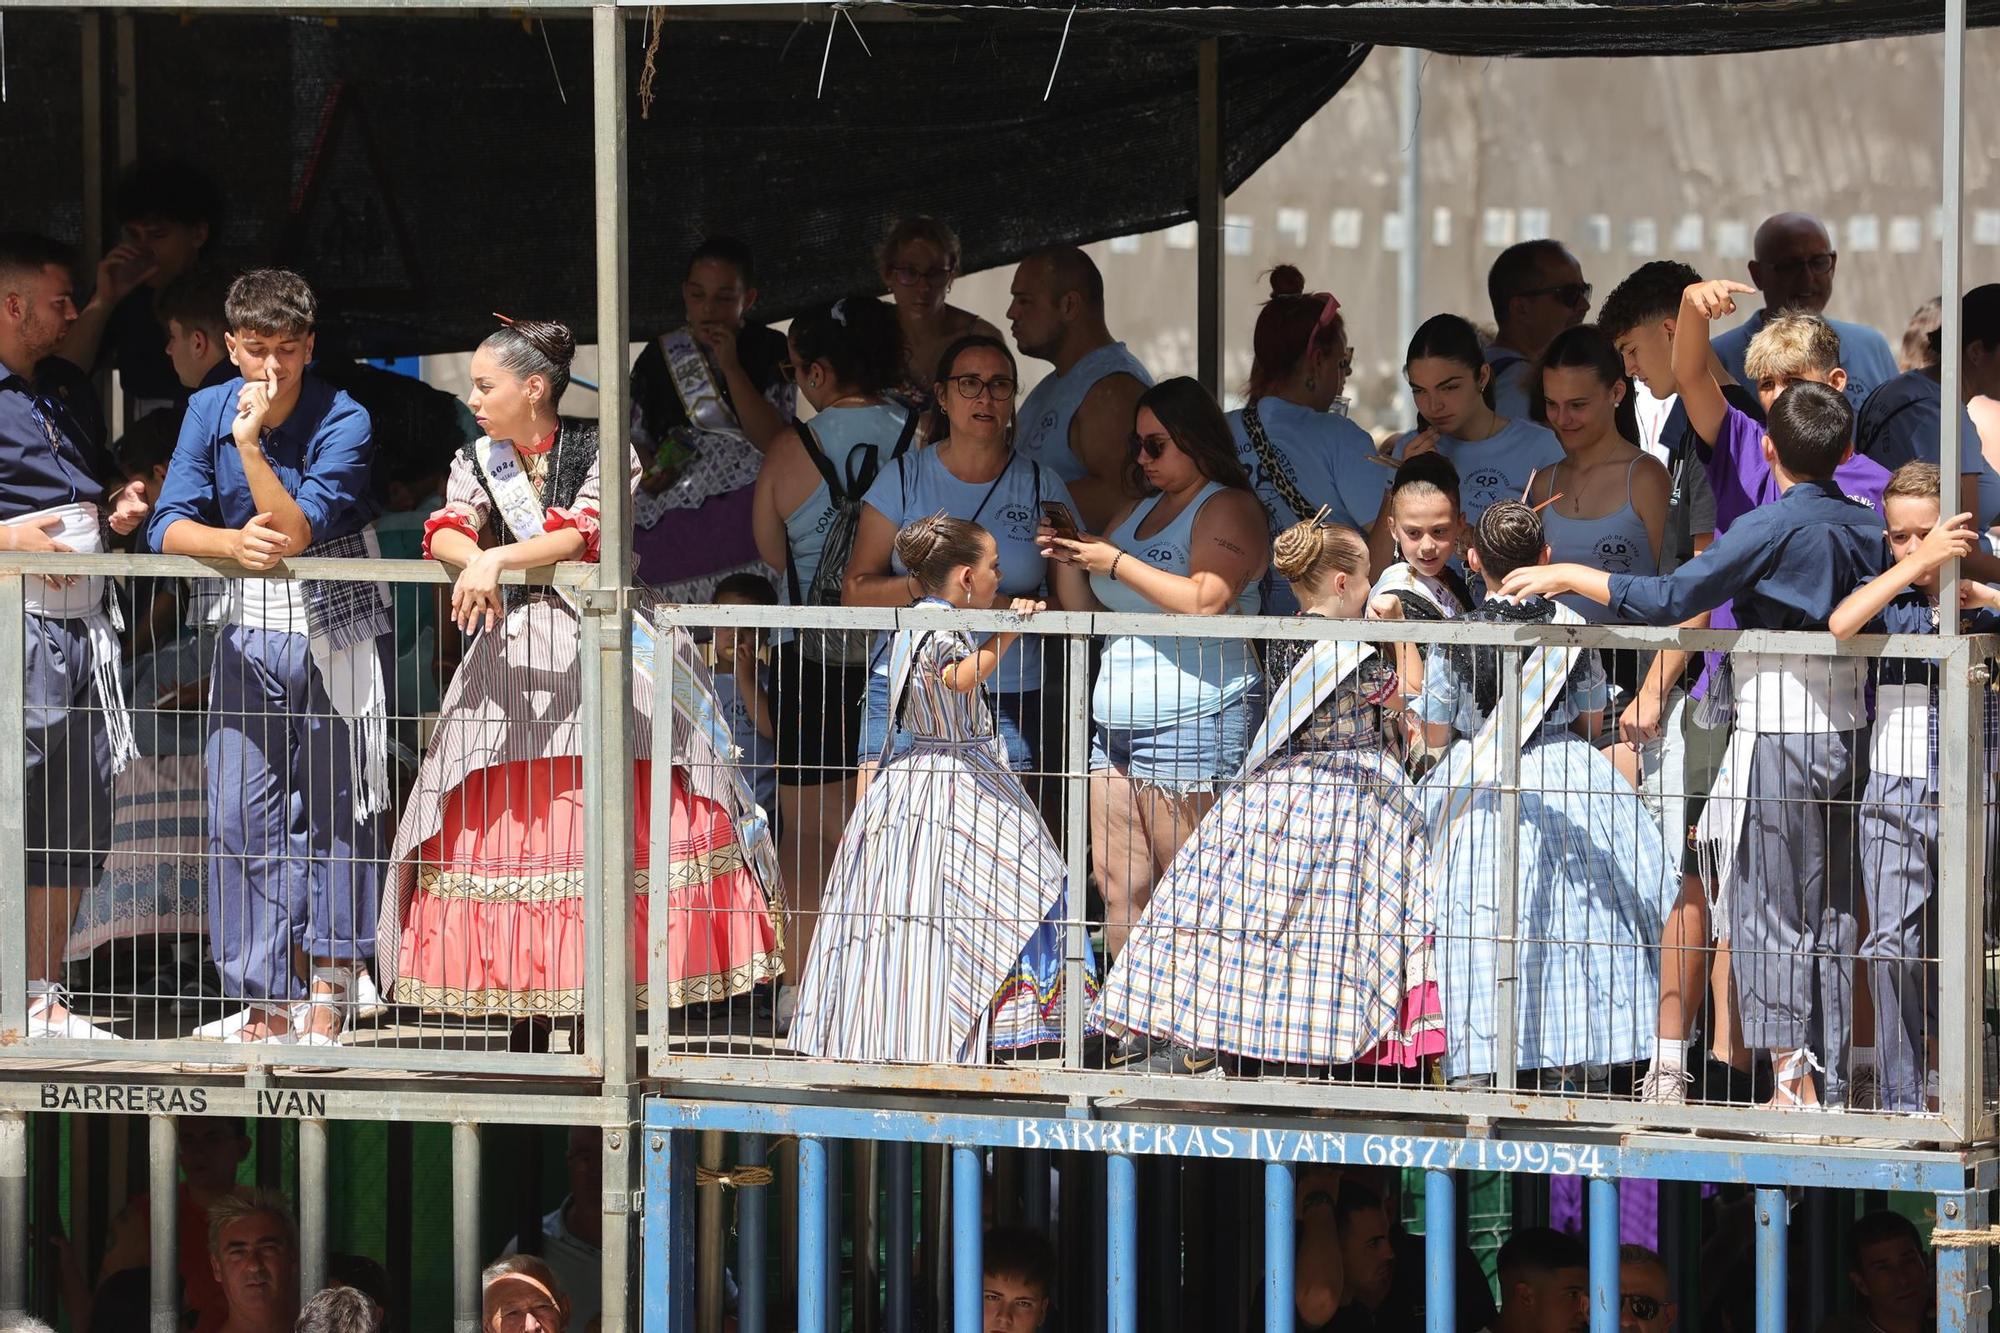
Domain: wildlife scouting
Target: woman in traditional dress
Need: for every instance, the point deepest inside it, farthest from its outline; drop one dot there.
(941, 934)
(708, 400)
(487, 914)
(1291, 932)
(1593, 884)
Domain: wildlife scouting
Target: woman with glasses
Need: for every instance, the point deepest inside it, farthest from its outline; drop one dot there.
(1453, 389)
(844, 359)
(976, 475)
(1301, 454)
(1173, 716)
(919, 260)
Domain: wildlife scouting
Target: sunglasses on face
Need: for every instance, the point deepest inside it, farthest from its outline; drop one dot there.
(1644, 1308)
(1150, 447)
(1000, 388)
(909, 275)
(1571, 294)
(1818, 265)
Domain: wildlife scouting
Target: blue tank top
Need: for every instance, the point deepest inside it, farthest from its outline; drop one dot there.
(841, 432)
(1617, 543)
(1045, 415)
(1146, 682)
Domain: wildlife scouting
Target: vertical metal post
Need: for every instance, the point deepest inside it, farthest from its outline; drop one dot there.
(1410, 199)
(670, 1238)
(896, 1218)
(1209, 193)
(1950, 336)
(753, 1212)
(13, 814)
(1076, 839)
(623, 1184)
(968, 1285)
(1961, 845)
(1440, 1252)
(708, 1239)
(607, 614)
(1822, 1237)
(812, 1236)
(1121, 1243)
(1035, 1168)
(1507, 1014)
(125, 55)
(1280, 1249)
(90, 82)
(465, 1294)
(1602, 1217)
(1963, 1297)
(163, 1196)
(13, 1211)
(1773, 1221)
(312, 1205)
(867, 1235)
(835, 1170)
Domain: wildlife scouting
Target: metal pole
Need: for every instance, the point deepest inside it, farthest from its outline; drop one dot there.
(91, 84)
(312, 1205)
(126, 60)
(708, 1239)
(812, 1236)
(1410, 263)
(1440, 1252)
(835, 1170)
(1121, 1236)
(1208, 215)
(1035, 1168)
(1772, 1223)
(752, 1238)
(608, 613)
(669, 1235)
(1076, 840)
(867, 1234)
(1280, 1248)
(163, 1198)
(623, 1183)
(1506, 1040)
(896, 1239)
(1601, 1216)
(1963, 1298)
(968, 1284)
(13, 1213)
(465, 1294)
(1950, 337)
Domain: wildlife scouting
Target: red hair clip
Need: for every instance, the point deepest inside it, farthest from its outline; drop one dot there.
(1326, 312)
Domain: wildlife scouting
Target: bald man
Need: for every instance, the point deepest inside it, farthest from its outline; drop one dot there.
(1794, 269)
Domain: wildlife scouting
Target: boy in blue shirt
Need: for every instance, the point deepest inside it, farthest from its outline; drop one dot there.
(271, 465)
(1789, 776)
(1898, 818)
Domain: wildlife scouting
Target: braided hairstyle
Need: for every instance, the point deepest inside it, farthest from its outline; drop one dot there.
(931, 548)
(1508, 537)
(535, 347)
(1309, 552)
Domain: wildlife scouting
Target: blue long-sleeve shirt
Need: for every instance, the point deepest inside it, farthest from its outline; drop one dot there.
(1787, 565)
(321, 454)
(51, 440)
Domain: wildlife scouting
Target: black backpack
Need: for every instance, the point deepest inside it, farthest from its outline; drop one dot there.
(844, 496)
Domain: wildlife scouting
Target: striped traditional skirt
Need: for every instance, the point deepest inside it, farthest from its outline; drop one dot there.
(1294, 926)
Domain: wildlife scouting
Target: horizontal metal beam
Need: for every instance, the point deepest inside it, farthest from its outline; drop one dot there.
(62, 1057)
(495, 1101)
(572, 574)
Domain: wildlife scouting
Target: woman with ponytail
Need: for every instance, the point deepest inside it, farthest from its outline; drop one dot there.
(486, 916)
(940, 939)
(1291, 933)
(1301, 454)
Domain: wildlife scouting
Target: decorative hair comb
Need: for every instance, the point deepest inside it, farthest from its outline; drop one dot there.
(504, 319)
(1544, 504)
(1326, 312)
(1319, 519)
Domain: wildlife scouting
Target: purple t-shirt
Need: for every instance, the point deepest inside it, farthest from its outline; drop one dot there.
(1742, 481)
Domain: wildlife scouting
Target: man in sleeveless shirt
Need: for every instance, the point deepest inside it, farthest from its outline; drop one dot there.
(1078, 421)
(1537, 290)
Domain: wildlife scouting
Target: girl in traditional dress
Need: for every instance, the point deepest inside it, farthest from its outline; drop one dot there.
(941, 935)
(487, 913)
(1291, 930)
(1593, 884)
(1425, 524)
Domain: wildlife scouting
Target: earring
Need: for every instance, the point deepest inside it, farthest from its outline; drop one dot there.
(1312, 381)
(814, 381)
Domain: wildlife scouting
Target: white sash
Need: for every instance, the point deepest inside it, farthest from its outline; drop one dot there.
(86, 600)
(1319, 673)
(1543, 676)
(520, 506)
(699, 396)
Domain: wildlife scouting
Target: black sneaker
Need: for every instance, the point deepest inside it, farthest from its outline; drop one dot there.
(1159, 1057)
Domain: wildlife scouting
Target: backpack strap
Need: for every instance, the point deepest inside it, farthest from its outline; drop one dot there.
(821, 461)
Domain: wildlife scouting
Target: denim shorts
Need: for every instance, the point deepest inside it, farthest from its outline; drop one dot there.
(1017, 715)
(1185, 756)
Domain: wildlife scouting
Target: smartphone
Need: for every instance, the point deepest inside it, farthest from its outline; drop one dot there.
(1056, 514)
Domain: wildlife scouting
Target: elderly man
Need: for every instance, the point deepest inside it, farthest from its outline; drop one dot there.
(1794, 269)
(253, 1248)
(521, 1295)
(1645, 1303)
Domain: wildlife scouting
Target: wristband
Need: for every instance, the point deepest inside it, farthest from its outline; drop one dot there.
(1114, 565)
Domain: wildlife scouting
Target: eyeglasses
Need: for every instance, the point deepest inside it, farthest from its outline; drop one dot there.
(909, 275)
(1347, 363)
(1000, 387)
(1150, 446)
(1644, 1308)
(1818, 265)
(788, 372)
(1571, 294)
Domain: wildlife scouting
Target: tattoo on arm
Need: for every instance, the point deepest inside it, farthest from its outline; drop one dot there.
(1228, 545)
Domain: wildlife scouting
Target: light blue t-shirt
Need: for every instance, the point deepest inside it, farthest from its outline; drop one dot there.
(758, 757)
(1328, 459)
(842, 433)
(1511, 372)
(1900, 423)
(1499, 466)
(1144, 682)
(1045, 415)
(920, 485)
(1864, 355)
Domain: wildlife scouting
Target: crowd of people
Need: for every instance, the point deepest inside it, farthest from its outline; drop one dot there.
(1302, 854)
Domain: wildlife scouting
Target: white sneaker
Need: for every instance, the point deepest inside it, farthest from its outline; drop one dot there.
(71, 1026)
(1864, 1089)
(1665, 1087)
(224, 1028)
(367, 1002)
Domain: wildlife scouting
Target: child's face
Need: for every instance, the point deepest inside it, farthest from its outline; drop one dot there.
(1426, 530)
(1014, 1304)
(1648, 352)
(731, 642)
(257, 354)
(1341, 595)
(1909, 517)
(1769, 387)
(984, 577)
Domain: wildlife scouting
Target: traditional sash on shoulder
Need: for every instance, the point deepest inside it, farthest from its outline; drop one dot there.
(1319, 673)
(1543, 677)
(519, 504)
(700, 396)
(1401, 579)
